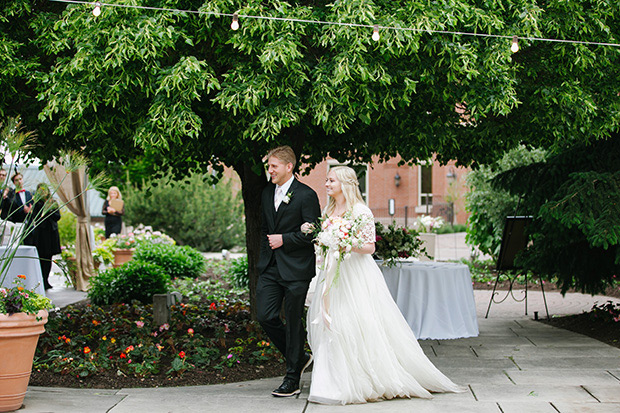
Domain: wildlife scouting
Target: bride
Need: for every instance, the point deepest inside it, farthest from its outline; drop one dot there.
(363, 348)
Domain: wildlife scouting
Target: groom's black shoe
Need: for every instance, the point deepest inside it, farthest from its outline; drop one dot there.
(288, 388)
(307, 362)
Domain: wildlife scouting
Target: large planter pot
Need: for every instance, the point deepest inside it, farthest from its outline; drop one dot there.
(121, 256)
(429, 241)
(19, 334)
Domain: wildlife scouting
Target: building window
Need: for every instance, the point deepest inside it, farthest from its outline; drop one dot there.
(361, 170)
(425, 188)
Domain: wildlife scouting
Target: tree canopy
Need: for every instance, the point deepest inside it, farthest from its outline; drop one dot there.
(186, 91)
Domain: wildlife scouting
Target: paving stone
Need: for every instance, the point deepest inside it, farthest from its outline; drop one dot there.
(50, 399)
(564, 407)
(530, 393)
(529, 407)
(575, 377)
(605, 393)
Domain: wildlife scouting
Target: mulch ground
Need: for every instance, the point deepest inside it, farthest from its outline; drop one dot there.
(110, 380)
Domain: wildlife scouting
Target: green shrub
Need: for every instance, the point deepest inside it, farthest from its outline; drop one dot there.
(490, 206)
(135, 280)
(238, 273)
(176, 261)
(451, 229)
(194, 212)
(66, 227)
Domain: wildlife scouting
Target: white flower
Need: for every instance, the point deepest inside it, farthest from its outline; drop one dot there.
(287, 198)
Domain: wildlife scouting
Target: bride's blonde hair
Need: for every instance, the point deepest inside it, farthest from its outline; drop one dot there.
(350, 188)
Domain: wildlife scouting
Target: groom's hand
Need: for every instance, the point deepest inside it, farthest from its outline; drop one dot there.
(275, 241)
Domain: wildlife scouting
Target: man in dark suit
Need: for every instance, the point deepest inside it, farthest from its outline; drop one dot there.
(286, 263)
(21, 201)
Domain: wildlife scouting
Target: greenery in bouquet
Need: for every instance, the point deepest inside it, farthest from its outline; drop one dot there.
(20, 300)
(394, 243)
(427, 223)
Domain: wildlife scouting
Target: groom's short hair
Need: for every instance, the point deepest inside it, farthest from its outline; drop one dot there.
(283, 153)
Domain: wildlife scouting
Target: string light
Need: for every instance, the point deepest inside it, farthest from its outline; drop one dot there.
(514, 47)
(97, 9)
(375, 33)
(293, 20)
(235, 23)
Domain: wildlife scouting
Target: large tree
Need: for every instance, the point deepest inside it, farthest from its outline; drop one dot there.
(187, 91)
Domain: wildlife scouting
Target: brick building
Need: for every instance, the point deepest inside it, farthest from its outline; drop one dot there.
(402, 193)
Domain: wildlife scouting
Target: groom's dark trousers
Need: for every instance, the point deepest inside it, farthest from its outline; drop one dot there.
(285, 273)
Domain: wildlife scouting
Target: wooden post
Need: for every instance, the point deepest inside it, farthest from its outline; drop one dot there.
(161, 312)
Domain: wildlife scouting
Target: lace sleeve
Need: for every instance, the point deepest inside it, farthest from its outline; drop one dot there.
(367, 230)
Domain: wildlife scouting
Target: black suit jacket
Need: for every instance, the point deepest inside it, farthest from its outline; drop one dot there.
(16, 211)
(295, 258)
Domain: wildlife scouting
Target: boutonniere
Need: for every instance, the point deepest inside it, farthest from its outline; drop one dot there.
(287, 198)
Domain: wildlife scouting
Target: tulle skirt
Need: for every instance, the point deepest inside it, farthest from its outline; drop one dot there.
(363, 348)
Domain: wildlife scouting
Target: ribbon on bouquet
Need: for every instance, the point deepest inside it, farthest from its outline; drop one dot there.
(329, 271)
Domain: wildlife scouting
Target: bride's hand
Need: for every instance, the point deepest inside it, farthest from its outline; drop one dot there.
(307, 227)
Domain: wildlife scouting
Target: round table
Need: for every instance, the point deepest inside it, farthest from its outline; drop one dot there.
(26, 262)
(436, 298)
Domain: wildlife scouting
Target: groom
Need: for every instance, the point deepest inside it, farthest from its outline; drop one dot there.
(286, 263)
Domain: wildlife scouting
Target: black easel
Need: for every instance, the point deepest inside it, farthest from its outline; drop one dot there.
(513, 241)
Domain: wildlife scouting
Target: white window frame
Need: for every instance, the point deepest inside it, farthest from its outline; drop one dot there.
(420, 208)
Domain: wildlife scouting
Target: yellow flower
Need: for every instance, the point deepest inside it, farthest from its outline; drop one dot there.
(104, 338)
(112, 340)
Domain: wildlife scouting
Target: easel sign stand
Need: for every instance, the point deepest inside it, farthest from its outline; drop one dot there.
(513, 241)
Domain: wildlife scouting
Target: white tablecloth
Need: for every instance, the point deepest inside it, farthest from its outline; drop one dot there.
(26, 261)
(436, 298)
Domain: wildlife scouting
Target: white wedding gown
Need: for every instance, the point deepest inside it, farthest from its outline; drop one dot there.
(363, 348)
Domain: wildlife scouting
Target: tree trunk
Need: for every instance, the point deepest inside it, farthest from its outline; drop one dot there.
(251, 188)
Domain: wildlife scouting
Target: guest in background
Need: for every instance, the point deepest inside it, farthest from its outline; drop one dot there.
(45, 236)
(20, 202)
(113, 209)
(7, 195)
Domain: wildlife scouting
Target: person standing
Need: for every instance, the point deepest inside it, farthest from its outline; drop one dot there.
(113, 210)
(20, 204)
(363, 348)
(7, 194)
(286, 263)
(45, 236)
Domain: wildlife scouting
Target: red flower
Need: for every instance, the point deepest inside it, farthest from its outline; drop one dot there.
(22, 276)
(123, 356)
(86, 350)
(182, 354)
(212, 306)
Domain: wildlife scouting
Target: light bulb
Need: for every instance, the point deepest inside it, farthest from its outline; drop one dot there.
(235, 23)
(97, 9)
(375, 33)
(515, 44)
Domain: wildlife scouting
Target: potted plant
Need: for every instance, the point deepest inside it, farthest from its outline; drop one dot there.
(425, 224)
(23, 314)
(103, 253)
(396, 243)
(123, 248)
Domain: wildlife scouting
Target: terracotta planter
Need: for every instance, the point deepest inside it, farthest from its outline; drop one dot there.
(19, 334)
(121, 256)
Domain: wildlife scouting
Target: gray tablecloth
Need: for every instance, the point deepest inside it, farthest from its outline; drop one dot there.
(436, 298)
(26, 262)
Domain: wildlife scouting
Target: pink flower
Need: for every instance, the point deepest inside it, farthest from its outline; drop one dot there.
(140, 324)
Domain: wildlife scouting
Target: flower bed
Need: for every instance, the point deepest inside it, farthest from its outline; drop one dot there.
(210, 339)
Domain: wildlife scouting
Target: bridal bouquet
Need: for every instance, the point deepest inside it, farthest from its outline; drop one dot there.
(337, 238)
